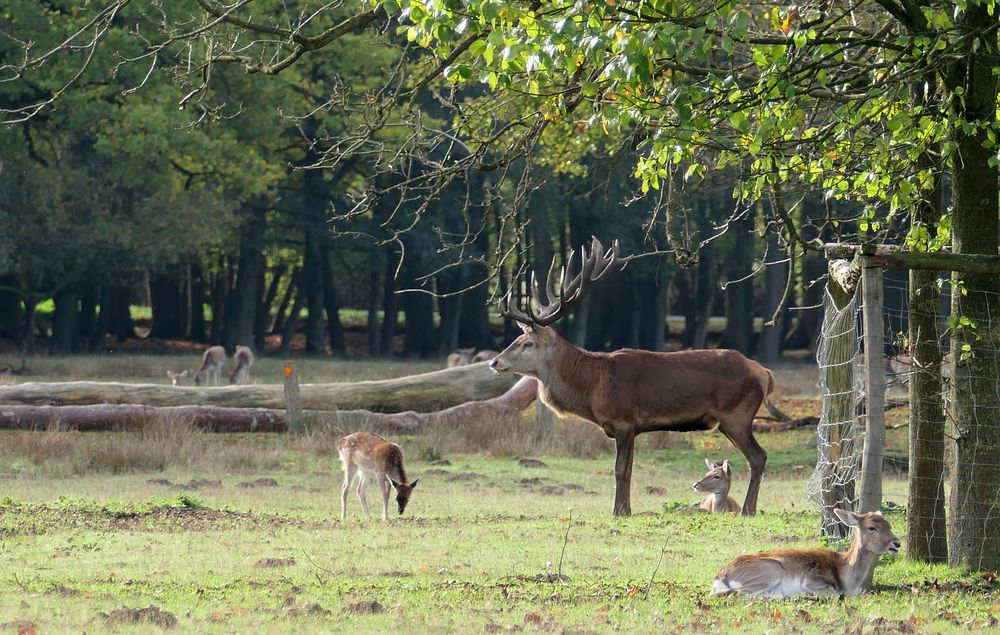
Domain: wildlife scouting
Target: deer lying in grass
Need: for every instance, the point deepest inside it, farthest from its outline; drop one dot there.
(629, 391)
(176, 378)
(369, 457)
(786, 572)
(716, 484)
(484, 355)
(242, 359)
(212, 362)
(461, 357)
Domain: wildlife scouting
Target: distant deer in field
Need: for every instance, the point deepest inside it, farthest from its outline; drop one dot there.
(242, 361)
(787, 572)
(176, 378)
(629, 391)
(461, 357)
(716, 484)
(212, 362)
(484, 355)
(369, 457)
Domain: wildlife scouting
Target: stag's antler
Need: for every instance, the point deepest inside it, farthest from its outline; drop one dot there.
(564, 292)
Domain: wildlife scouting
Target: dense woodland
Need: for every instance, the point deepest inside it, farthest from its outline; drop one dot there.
(232, 219)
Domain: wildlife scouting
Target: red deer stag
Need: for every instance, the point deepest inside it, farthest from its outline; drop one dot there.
(629, 391)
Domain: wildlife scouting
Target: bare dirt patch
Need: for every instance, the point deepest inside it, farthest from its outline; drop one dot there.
(261, 482)
(365, 607)
(149, 615)
(62, 591)
(436, 472)
(529, 482)
(271, 563)
(307, 609)
(443, 462)
(655, 490)
(551, 490)
(464, 476)
(531, 463)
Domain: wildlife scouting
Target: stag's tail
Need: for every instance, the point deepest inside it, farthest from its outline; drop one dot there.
(772, 408)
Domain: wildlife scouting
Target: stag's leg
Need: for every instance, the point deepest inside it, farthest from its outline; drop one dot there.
(741, 435)
(624, 444)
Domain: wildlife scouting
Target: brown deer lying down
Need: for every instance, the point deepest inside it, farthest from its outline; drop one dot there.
(242, 359)
(629, 391)
(461, 357)
(369, 457)
(716, 484)
(484, 355)
(212, 362)
(786, 572)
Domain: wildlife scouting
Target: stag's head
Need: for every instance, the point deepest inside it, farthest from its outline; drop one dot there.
(533, 351)
(874, 531)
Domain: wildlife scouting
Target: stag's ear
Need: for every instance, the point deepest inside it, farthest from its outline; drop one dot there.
(546, 333)
(526, 327)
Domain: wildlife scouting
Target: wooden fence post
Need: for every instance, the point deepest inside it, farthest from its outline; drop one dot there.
(872, 456)
(293, 400)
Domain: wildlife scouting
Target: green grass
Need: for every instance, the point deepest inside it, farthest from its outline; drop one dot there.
(475, 550)
(241, 532)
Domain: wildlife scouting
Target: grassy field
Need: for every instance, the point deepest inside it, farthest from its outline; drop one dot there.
(232, 533)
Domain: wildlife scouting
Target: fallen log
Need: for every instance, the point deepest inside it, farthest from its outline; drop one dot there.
(426, 392)
(105, 417)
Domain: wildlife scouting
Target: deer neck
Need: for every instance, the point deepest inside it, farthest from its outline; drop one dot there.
(568, 380)
(856, 564)
(720, 499)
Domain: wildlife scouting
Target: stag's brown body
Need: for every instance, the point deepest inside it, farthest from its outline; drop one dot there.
(629, 392)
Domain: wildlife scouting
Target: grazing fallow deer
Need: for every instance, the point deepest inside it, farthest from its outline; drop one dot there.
(461, 357)
(629, 391)
(786, 572)
(369, 457)
(716, 484)
(484, 355)
(212, 362)
(176, 378)
(242, 361)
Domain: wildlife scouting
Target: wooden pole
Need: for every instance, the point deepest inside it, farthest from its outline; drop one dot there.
(892, 257)
(871, 461)
(293, 400)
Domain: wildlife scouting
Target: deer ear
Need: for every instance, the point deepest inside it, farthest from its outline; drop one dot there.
(726, 467)
(526, 328)
(710, 463)
(170, 374)
(184, 373)
(414, 483)
(394, 483)
(849, 517)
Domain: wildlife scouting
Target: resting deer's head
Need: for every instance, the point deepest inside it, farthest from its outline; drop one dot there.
(874, 531)
(717, 480)
(533, 350)
(176, 378)
(403, 492)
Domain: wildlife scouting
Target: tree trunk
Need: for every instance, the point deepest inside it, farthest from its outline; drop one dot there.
(65, 322)
(117, 305)
(280, 315)
(197, 319)
(775, 278)
(313, 283)
(708, 282)
(332, 300)
(739, 290)
(425, 392)
(220, 293)
(374, 283)
(974, 513)
(241, 305)
(419, 309)
(292, 322)
(166, 303)
(87, 320)
(10, 308)
(390, 304)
